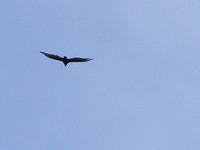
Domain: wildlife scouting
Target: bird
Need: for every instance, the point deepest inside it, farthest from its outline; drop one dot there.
(64, 59)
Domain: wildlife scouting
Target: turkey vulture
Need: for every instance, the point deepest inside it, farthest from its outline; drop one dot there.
(66, 60)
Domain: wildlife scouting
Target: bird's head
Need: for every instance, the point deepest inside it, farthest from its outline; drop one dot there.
(65, 57)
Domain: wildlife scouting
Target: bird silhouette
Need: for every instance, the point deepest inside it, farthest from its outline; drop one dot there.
(66, 60)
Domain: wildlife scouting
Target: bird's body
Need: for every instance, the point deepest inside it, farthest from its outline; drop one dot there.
(64, 59)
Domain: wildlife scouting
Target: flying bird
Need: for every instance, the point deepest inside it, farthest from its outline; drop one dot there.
(66, 60)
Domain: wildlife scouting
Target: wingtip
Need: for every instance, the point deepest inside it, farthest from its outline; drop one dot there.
(42, 52)
(89, 59)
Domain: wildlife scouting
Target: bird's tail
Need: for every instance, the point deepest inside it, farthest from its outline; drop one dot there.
(65, 63)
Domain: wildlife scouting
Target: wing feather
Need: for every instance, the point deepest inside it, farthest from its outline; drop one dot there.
(78, 59)
(56, 57)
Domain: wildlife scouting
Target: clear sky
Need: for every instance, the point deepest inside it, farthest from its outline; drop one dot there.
(141, 91)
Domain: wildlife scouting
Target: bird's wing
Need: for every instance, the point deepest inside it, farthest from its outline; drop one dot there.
(78, 59)
(56, 57)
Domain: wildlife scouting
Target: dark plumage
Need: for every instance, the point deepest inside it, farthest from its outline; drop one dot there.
(66, 60)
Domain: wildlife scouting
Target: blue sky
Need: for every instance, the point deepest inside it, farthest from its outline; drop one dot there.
(140, 92)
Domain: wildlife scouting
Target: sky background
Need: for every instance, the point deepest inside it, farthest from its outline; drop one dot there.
(140, 92)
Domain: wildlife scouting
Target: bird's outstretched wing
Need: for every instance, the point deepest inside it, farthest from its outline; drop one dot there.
(56, 57)
(78, 59)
